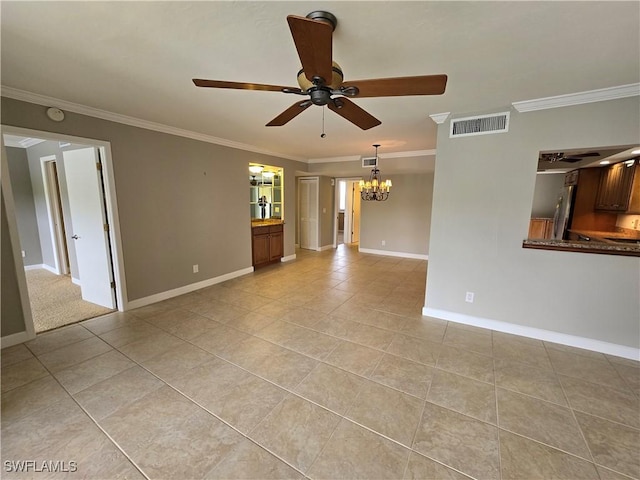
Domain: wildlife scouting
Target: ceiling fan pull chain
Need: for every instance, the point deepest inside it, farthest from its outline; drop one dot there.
(322, 135)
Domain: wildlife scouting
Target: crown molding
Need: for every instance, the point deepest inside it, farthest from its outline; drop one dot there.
(415, 153)
(579, 98)
(440, 117)
(350, 158)
(44, 100)
(357, 158)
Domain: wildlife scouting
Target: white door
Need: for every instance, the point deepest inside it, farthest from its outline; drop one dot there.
(309, 213)
(88, 220)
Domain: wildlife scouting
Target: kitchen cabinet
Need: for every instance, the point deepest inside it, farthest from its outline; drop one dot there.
(585, 217)
(619, 189)
(541, 228)
(267, 244)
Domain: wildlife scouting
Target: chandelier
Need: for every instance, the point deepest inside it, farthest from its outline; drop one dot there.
(375, 188)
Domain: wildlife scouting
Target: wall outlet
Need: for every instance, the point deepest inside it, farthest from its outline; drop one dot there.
(384, 242)
(195, 269)
(469, 297)
(24, 254)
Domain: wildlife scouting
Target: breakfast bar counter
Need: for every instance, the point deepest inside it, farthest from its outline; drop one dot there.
(608, 248)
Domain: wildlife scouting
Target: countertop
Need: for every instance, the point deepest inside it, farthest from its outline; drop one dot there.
(599, 242)
(267, 222)
(609, 248)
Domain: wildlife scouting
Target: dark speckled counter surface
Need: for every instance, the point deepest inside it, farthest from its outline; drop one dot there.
(614, 242)
(612, 248)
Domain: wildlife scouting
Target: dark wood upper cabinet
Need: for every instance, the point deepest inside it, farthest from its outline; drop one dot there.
(619, 189)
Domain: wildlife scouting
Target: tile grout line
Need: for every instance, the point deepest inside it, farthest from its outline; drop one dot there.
(323, 361)
(573, 413)
(94, 421)
(401, 391)
(191, 400)
(292, 392)
(495, 393)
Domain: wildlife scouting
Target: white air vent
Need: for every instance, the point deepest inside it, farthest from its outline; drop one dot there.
(368, 162)
(479, 125)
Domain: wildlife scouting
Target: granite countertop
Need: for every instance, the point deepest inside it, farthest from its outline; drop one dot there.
(266, 222)
(599, 242)
(612, 248)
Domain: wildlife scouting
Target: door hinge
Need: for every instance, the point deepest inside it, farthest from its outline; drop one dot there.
(99, 166)
(106, 227)
(113, 284)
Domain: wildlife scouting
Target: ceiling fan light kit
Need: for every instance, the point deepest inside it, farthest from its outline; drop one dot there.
(322, 79)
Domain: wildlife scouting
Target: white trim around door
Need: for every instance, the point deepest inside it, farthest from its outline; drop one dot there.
(110, 203)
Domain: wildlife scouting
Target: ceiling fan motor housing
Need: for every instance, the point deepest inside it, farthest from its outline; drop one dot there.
(326, 17)
(336, 78)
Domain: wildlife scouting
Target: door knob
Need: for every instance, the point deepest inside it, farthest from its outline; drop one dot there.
(75, 237)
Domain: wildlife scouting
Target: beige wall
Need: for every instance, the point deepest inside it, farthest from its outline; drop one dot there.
(12, 315)
(482, 201)
(403, 220)
(180, 201)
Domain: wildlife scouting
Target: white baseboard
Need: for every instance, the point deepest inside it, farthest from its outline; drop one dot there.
(42, 266)
(34, 267)
(326, 247)
(75, 281)
(288, 258)
(51, 269)
(158, 297)
(537, 333)
(388, 253)
(15, 339)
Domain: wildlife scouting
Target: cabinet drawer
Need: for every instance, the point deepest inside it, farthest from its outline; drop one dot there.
(275, 228)
(260, 230)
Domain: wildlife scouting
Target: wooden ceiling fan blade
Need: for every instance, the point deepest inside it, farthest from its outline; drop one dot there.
(289, 114)
(399, 86)
(313, 40)
(244, 86)
(352, 112)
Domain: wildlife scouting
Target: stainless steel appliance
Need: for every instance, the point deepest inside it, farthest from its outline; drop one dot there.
(564, 206)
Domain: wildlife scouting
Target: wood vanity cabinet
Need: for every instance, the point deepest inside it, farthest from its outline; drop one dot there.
(619, 189)
(267, 244)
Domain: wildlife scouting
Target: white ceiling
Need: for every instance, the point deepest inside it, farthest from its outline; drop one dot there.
(138, 58)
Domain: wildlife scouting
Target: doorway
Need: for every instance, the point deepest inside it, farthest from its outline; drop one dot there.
(81, 232)
(53, 201)
(347, 214)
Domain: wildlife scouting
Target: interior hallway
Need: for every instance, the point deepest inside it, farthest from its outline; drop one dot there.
(322, 367)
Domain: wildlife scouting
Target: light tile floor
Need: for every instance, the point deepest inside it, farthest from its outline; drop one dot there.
(321, 368)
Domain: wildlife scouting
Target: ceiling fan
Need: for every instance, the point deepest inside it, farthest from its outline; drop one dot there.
(561, 157)
(321, 79)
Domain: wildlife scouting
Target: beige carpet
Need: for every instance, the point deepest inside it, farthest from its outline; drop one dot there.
(56, 301)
